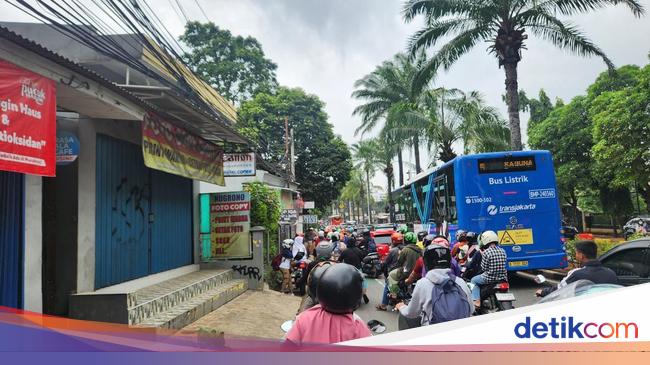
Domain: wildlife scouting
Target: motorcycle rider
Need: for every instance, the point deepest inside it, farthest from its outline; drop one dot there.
(459, 251)
(367, 242)
(472, 266)
(332, 320)
(397, 243)
(493, 265)
(352, 255)
(591, 269)
(285, 265)
(418, 269)
(405, 263)
(437, 262)
(421, 236)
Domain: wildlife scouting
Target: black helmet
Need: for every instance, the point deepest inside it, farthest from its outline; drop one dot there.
(436, 257)
(314, 277)
(421, 235)
(366, 232)
(427, 240)
(324, 250)
(339, 289)
(334, 238)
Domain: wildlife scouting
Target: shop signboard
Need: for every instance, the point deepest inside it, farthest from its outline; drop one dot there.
(239, 164)
(230, 225)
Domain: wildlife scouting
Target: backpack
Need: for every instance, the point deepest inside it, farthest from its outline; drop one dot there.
(448, 302)
(275, 263)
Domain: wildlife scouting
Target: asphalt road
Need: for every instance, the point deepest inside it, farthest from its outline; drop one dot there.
(524, 290)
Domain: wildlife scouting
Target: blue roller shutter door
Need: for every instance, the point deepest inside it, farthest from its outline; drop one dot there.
(144, 216)
(12, 230)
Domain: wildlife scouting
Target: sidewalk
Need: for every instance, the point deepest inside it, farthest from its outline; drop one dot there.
(252, 314)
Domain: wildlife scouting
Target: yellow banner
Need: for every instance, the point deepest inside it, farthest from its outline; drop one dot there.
(171, 149)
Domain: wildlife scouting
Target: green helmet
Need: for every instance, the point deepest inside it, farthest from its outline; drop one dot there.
(410, 237)
(402, 229)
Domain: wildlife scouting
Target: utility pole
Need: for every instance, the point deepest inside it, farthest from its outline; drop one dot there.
(292, 161)
(286, 151)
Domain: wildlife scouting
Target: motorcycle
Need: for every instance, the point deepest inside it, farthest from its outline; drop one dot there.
(495, 298)
(371, 265)
(299, 275)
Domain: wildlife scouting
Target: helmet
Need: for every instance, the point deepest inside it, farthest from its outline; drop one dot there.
(396, 237)
(314, 277)
(402, 229)
(339, 289)
(365, 232)
(421, 235)
(288, 243)
(487, 238)
(471, 237)
(321, 234)
(428, 239)
(461, 235)
(324, 250)
(334, 237)
(436, 257)
(441, 241)
(410, 237)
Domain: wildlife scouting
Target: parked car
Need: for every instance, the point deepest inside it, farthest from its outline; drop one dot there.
(630, 261)
(636, 225)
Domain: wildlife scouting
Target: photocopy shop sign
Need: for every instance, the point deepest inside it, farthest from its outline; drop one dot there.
(230, 225)
(168, 148)
(27, 121)
(239, 164)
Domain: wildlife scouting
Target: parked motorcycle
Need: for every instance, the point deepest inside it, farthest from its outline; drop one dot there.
(495, 298)
(371, 265)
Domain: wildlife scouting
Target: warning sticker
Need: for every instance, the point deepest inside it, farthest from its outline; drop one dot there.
(516, 237)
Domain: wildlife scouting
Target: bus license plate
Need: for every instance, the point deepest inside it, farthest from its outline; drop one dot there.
(518, 263)
(505, 297)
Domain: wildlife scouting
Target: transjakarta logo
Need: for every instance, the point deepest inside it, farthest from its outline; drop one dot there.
(568, 327)
(492, 210)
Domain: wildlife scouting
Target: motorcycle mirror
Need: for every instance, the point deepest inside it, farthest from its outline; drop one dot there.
(286, 326)
(540, 279)
(376, 326)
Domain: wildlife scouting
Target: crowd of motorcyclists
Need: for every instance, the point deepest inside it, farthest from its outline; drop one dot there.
(427, 279)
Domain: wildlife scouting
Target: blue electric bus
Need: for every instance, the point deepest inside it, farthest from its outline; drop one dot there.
(511, 193)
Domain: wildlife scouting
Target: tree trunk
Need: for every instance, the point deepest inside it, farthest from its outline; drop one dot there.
(400, 167)
(512, 98)
(645, 194)
(416, 151)
(391, 208)
(368, 196)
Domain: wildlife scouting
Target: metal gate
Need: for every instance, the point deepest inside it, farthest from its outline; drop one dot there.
(12, 230)
(143, 216)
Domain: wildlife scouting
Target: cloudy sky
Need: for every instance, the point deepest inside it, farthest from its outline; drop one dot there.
(324, 46)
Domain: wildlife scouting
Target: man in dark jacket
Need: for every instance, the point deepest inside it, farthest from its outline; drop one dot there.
(389, 264)
(592, 269)
(405, 263)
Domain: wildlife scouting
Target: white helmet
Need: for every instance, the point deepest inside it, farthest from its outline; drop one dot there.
(288, 243)
(487, 237)
(321, 234)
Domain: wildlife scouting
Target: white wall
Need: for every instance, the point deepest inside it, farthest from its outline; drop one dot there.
(33, 244)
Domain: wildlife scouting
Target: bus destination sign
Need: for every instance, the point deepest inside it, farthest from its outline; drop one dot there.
(506, 164)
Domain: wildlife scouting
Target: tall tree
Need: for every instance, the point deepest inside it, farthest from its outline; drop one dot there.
(387, 94)
(235, 66)
(364, 154)
(319, 153)
(503, 24)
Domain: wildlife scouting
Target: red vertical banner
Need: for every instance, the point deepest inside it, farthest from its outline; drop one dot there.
(27, 121)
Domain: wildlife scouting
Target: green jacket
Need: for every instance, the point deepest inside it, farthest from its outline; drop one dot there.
(406, 260)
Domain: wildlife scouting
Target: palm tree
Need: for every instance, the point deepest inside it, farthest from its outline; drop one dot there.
(386, 149)
(353, 192)
(467, 23)
(388, 94)
(364, 153)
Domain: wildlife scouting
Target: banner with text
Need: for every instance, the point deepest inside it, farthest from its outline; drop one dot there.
(27, 121)
(239, 164)
(169, 148)
(230, 225)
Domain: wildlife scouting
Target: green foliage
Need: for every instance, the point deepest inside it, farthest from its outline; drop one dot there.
(265, 206)
(539, 108)
(235, 66)
(463, 25)
(622, 134)
(319, 153)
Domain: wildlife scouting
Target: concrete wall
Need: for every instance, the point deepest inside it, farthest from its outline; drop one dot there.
(33, 243)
